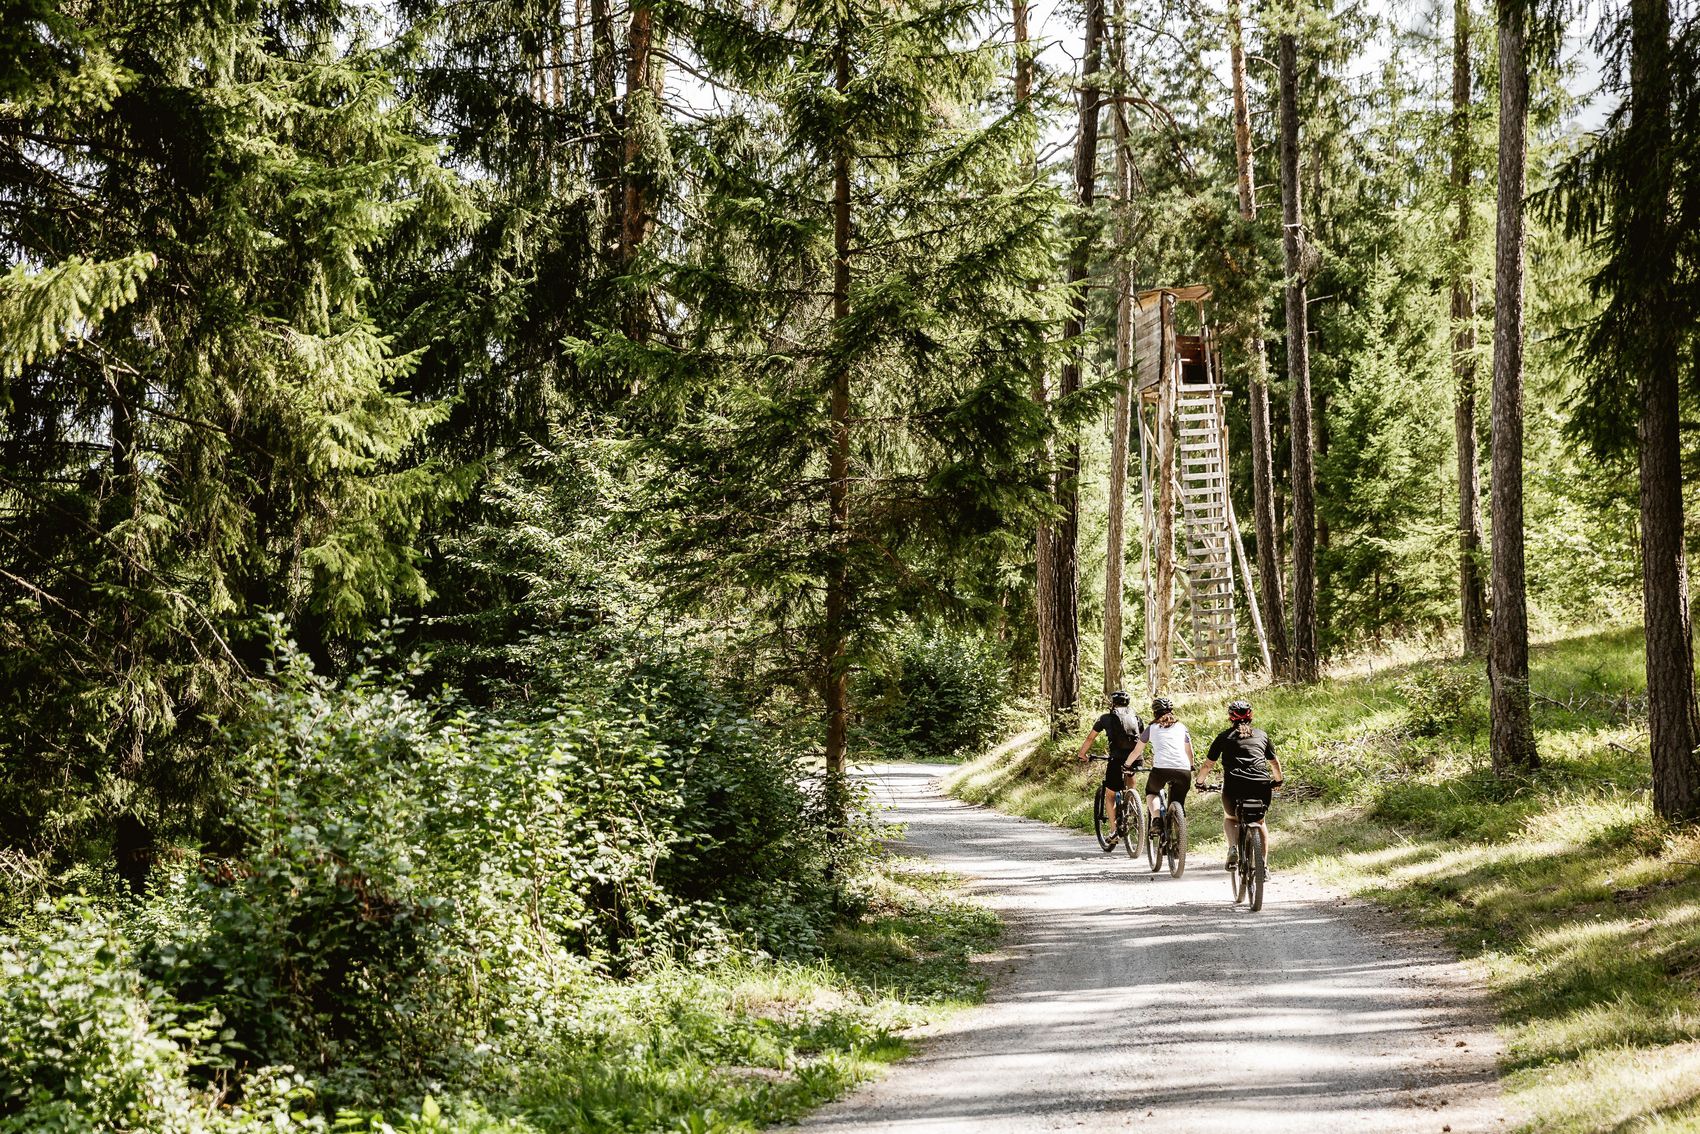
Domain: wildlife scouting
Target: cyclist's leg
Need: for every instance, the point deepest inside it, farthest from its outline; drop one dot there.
(1113, 783)
(1230, 818)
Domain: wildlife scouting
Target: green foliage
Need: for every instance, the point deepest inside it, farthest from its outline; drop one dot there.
(90, 1046)
(940, 695)
(199, 413)
(1439, 701)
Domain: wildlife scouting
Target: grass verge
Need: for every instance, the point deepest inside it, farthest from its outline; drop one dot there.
(740, 1045)
(1581, 909)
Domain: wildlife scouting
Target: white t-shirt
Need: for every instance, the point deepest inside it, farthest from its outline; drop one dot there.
(1167, 744)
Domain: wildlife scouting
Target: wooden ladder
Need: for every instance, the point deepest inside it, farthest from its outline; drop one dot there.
(1207, 567)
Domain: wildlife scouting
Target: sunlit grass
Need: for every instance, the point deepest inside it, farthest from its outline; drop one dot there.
(735, 1047)
(1579, 908)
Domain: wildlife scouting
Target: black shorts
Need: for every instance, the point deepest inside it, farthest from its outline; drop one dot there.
(1179, 781)
(1115, 773)
(1234, 790)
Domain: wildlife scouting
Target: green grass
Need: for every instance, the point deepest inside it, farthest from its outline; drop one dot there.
(737, 1046)
(1581, 911)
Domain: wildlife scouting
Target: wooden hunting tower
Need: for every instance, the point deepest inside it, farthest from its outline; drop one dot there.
(1191, 546)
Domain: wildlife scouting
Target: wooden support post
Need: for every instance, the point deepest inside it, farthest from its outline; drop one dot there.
(1167, 369)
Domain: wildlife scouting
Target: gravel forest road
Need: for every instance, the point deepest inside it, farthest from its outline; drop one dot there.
(1122, 1001)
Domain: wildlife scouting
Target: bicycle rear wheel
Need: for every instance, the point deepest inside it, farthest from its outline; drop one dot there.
(1177, 840)
(1237, 876)
(1257, 868)
(1136, 826)
(1102, 824)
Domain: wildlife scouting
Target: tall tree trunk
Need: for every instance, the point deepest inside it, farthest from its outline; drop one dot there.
(1264, 512)
(1065, 609)
(1115, 544)
(1305, 663)
(1045, 536)
(1472, 599)
(643, 96)
(1512, 734)
(1672, 717)
(637, 172)
(835, 673)
(134, 848)
(606, 114)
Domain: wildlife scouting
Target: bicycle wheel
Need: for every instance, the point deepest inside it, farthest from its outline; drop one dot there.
(1177, 840)
(1257, 869)
(1136, 827)
(1154, 843)
(1238, 875)
(1101, 823)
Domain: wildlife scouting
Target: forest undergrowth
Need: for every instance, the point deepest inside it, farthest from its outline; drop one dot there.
(1578, 907)
(618, 910)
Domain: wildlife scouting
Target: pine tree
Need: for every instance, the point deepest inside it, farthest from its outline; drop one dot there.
(1306, 663)
(854, 416)
(1635, 195)
(1472, 597)
(199, 421)
(1512, 728)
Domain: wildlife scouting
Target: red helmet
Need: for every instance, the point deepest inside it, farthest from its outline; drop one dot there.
(1239, 711)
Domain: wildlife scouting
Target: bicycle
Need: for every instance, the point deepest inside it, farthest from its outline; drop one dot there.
(1127, 800)
(1252, 869)
(1165, 836)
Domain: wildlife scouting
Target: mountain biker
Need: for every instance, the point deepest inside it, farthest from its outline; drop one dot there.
(1250, 770)
(1121, 727)
(1171, 755)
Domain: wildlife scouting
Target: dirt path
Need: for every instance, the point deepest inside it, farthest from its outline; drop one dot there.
(1124, 1001)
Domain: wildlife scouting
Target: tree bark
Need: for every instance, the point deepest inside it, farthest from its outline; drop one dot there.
(1511, 734)
(642, 105)
(606, 112)
(1163, 578)
(1114, 550)
(1270, 597)
(1672, 716)
(835, 675)
(1044, 536)
(1472, 598)
(1065, 607)
(1305, 662)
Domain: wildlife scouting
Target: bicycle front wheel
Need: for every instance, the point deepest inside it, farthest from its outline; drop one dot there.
(1177, 840)
(1258, 864)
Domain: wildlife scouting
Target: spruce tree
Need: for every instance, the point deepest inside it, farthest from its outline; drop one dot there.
(851, 421)
(199, 420)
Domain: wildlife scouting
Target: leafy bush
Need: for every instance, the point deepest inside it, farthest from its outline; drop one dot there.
(89, 1046)
(1440, 701)
(940, 695)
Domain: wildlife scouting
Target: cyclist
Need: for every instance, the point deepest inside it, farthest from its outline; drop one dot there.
(1171, 755)
(1250, 770)
(1121, 727)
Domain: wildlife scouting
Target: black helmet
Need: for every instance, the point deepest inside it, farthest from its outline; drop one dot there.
(1239, 710)
(1120, 697)
(1162, 707)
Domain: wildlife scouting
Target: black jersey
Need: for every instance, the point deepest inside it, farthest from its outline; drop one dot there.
(1121, 729)
(1244, 758)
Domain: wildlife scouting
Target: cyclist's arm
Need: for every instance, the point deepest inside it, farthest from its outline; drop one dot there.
(1086, 745)
(1275, 765)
